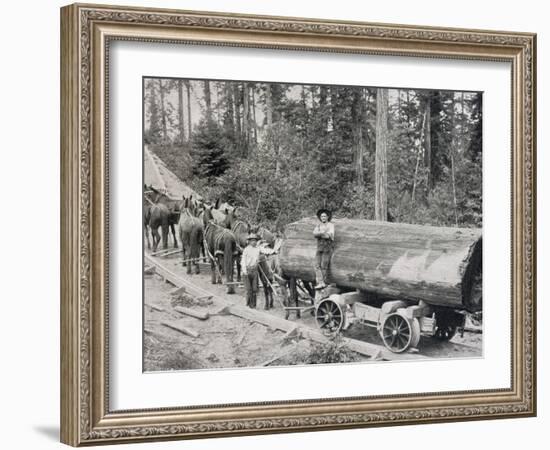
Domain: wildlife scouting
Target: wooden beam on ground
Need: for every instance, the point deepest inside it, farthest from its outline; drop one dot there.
(171, 252)
(178, 290)
(165, 251)
(155, 307)
(192, 312)
(473, 330)
(181, 329)
(149, 270)
(278, 323)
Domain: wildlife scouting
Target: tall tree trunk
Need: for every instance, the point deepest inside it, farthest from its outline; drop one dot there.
(188, 89)
(253, 118)
(229, 118)
(208, 100)
(323, 93)
(273, 138)
(427, 133)
(399, 104)
(357, 120)
(153, 113)
(163, 112)
(237, 101)
(380, 165)
(454, 145)
(218, 115)
(334, 107)
(246, 121)
(419, 152)
(268, 106)
(181, 118)
(462, 124)
(313, 90)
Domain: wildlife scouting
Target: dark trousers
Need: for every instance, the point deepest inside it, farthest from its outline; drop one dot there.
(251, 287)
(322, 263)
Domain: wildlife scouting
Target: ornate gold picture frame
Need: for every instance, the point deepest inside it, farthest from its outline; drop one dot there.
(87, 31)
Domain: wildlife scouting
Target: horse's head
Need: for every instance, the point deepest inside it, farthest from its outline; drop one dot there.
(199, 207)
(230, 217)
(207, 215)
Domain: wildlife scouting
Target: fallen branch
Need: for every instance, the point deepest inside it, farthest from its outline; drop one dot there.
(192, 312)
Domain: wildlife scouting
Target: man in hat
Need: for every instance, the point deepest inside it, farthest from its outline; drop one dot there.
(254, 255)
(324, 233)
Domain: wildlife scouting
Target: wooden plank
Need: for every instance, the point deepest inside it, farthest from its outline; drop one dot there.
(274, 322)
(191, 312)
(149, 270)
(168, 253)
(165, 252)
(178, 291)
(155, 307)
(181, 329)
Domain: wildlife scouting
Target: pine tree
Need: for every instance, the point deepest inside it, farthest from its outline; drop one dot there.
(209, 158)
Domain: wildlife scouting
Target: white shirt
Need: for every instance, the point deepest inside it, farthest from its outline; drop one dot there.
(251, 256)
(327, 228)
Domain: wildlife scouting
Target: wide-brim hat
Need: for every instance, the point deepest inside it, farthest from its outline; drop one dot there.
(328, 212)
(253, 236)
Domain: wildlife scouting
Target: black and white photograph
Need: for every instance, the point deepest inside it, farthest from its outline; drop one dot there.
(293, 224)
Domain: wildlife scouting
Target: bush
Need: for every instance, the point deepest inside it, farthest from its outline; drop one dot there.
(334, 351)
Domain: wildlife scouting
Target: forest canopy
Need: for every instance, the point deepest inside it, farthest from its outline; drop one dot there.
(281, 151)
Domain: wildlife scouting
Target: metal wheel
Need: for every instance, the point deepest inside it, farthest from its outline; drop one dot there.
(400, 333)
(329, 316)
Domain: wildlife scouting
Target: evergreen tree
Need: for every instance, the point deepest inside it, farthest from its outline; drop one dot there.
(207, 152)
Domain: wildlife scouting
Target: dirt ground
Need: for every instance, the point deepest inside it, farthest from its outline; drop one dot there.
(227, 341)
(224, 340)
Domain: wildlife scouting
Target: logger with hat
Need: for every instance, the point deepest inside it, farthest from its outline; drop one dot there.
(324, 233)
(254, 255)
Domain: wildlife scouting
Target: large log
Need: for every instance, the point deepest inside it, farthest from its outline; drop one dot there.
(439, 265)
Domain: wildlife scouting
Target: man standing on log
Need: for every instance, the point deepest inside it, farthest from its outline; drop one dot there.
(324, 233)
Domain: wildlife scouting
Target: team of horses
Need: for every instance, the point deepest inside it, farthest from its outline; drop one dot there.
(213, 229)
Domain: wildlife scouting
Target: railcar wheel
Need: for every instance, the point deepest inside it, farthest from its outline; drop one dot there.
(400, 333)
(329, 316)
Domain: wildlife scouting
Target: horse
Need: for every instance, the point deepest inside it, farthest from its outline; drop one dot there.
(222, 249)
(159, 217)
(191, 231)
(173, 206)
(146, 218)
(241, 230)
(218, 213)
